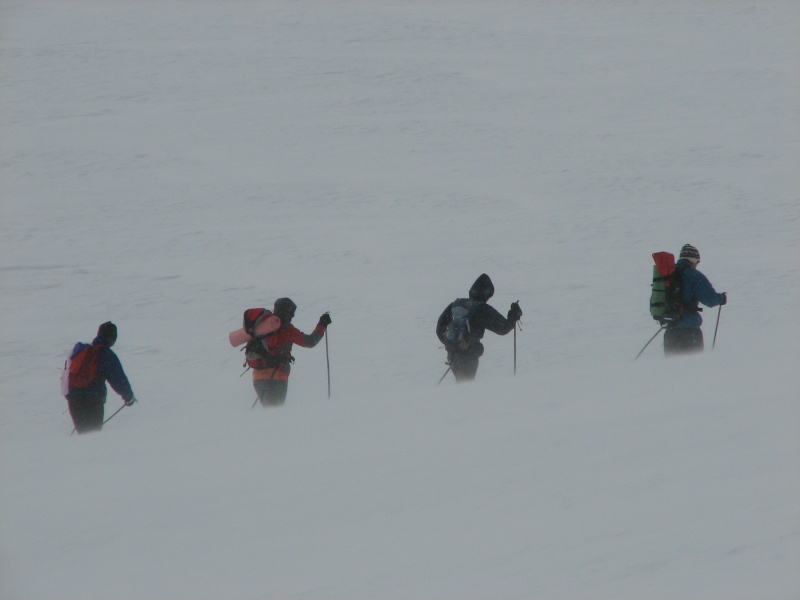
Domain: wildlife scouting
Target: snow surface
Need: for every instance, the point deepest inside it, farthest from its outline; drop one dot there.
(168, 164)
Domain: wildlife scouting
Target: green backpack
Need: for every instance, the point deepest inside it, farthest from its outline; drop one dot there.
(666, 297)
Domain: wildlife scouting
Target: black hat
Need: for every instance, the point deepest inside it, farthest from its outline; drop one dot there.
(108, 330)
(284, 308)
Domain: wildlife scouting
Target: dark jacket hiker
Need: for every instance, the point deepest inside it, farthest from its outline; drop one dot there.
(463, 323)
(87, 391)
(686, 336)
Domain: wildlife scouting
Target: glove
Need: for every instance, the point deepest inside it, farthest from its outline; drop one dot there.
(325, 320)
(724, 299)
(515, 312)
(130, 402)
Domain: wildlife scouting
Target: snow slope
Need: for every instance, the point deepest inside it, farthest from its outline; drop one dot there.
(167, 165)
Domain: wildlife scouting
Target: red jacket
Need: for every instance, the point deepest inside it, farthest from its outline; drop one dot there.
(279, 344)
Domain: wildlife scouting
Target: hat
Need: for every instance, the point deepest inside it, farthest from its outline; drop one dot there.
(108, 330)
(690, 253)
(284, 308)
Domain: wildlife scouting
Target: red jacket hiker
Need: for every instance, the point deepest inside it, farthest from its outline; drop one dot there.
(280, 345)
(271, 382)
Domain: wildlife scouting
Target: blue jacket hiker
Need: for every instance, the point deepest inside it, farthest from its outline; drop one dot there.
(686, 336)
(90, 366)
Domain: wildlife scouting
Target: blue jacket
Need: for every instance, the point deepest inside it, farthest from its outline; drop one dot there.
(108, 368)
(696, 288)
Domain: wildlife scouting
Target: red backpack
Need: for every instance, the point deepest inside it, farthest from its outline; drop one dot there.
(83, 365)
(251, 319)
(259, 323)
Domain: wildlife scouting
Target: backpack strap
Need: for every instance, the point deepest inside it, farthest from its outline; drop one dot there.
(268, 358)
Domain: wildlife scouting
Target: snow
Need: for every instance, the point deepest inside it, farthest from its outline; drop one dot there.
(167, 165)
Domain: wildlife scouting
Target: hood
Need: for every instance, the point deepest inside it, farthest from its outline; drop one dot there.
(108, 331)
(482, 289)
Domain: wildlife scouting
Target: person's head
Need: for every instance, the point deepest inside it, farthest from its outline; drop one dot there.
(690, 253)
(108, 331)
(482, 289)
(284, 309)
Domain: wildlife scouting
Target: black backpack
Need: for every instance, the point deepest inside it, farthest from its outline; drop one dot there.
(459, 330)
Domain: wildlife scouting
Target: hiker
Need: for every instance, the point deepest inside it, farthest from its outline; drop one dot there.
(685, 336)
(463, 323)
(271, 378)
(86, 387)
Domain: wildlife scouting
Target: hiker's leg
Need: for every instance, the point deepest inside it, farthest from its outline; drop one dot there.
(263, 389)
(86, 413)
(271, 392)
(77, 412)
(694, 340)
(682, 340)
(464, 366)
(670, 341)
(96, 411)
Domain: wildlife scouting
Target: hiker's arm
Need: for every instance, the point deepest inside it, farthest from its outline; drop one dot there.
(115, 375)
(307, 340)
(494, 321)
(706, 293)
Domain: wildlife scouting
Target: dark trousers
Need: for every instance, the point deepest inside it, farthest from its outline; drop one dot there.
(682, 340)
(271, 392)
(86, 412)
(464, 366)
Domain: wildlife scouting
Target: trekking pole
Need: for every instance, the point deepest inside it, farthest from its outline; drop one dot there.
(443, 376)
(254, 403)
(328, 362)
(517, 323)
(719, 312)
(112, 416)
(648, 343)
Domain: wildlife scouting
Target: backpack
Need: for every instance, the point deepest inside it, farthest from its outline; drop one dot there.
(253, 317)
(257, 355)
(260, 323)
(667, 305)
(80, 369)
(459, 330)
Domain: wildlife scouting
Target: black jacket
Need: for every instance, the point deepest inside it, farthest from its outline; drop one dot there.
(484, 317)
